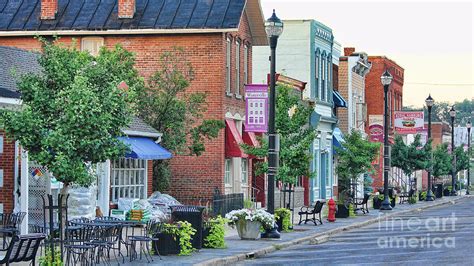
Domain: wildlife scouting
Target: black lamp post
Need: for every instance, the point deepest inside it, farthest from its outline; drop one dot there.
(452, 113)
(429, 103)
(273, 28)
(468, 125)
(386, 79)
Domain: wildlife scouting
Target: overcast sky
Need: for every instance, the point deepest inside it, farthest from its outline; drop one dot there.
(431, 40)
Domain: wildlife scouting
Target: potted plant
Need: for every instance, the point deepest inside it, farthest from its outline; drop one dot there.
(175, 238)
(343, 205)
(378, 198)
(282, 219)
(248, 222)
(213, 233)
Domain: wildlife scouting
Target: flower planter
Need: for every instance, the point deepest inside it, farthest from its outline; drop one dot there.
(342, 211)
(248, 230)
(166, 244)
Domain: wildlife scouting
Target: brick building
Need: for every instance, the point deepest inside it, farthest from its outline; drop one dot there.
(374, 97)
(217, 37)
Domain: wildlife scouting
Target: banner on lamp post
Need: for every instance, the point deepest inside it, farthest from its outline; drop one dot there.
(409, 122)
(256, 108)
(376, 128)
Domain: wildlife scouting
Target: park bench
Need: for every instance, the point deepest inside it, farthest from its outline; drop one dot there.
(405, 196)
(22, 248)
(362, 204)
(307, 211)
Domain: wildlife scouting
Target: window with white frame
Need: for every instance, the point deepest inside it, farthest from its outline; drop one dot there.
(316, 87)
(227, 65)
(245, 170)
(237, 68)
(227, 169)
(246, 64)
(128, 179)
(92, 45)
(323, 87)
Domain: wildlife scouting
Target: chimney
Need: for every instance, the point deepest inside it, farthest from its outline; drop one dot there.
(348, 51)
(126, 8)
(49, 8)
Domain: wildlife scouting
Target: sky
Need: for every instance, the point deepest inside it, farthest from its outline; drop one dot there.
(432, 40)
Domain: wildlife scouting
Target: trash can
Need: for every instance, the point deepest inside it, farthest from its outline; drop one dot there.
(193, 215)
(439, 191)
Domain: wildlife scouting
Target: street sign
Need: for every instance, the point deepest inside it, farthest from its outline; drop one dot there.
(256, 107)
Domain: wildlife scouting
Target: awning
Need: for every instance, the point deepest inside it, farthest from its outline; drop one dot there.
(337, 138)
(233, 140)
(145, 148)
(250, 139)
(338, 100)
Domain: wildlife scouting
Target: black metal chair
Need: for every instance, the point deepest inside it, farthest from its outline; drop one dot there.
(22, 248)
(107, 238)
(307, 211)
(10, 224)
(152, 228)
(78, 244)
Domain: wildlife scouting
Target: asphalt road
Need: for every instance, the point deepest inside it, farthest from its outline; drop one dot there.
(437, 236)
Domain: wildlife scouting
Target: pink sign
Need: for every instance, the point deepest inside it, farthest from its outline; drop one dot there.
(408, 122)
(256, 115)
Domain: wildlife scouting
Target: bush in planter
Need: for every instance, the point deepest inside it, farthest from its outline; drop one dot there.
(248, 222)
(422, 196)
(282, 217)
(214, 237)
(413, 199)
(181, 232)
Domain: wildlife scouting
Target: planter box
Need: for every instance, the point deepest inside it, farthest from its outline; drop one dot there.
(377, 203)
(342, 211)
(166, 244)
(248, 230)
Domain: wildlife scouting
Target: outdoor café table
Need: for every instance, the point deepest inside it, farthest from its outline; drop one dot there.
(128, 225)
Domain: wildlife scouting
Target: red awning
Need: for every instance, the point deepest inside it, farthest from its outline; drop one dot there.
(233, 140)
(250, 139)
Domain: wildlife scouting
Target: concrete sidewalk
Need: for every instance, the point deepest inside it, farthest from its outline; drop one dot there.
(238, 250)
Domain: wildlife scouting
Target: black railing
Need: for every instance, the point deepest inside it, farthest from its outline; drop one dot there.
(223, 204)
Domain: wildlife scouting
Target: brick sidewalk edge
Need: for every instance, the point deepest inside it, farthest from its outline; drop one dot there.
(318, 238)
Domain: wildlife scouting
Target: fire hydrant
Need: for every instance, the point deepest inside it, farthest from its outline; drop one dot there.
(331, 211)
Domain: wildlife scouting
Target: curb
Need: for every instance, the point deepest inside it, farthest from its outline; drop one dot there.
(318, 238)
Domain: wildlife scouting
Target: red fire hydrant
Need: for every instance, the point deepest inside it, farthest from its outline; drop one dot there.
(331, 211)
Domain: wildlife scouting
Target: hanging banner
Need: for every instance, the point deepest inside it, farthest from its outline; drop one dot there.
(256, 108)
(408, 122)
(376, 128)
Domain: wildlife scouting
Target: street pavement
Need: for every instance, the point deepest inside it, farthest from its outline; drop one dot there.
(441, 235)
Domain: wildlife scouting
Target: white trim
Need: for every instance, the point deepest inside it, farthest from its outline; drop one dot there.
(114, 32)
(142, 134)
(104, 188)
(10, 100)
(24, 190)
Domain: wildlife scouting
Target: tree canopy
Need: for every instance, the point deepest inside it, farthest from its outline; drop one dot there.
(296, 136)
(355, 157)
(411, 158)
(441, 161)
(73, 111)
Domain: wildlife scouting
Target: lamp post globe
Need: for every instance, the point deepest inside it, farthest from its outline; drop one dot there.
(429, 104)
(452, 113)
(386, 79)
(273, 28)
(468, 126)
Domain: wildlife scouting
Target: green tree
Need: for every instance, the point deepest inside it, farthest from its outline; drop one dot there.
(168, 107)
(73, 111)
(462, 159)
(441, 161)
(296, 136)
(411, 158)
(355, 158)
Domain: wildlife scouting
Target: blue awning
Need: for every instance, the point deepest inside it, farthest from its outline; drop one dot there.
(145, 148)
(338, 100)
(337, 138)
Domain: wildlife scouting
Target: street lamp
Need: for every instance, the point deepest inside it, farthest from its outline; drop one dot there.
(386, 79)
(274, 28)
(468, 125)
(452, 113)
(429, 103)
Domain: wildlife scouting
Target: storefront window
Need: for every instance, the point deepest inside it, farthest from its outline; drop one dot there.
(128, 179)
(245, 167)
(227, 172)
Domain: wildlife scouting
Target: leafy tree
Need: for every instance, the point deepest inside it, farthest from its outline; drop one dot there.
(355, 158)
(73, 110)
(296, 136)
(462, 159)
(178, 115)
(441, 161)
(411, 158)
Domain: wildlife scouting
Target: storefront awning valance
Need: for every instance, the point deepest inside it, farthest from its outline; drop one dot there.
(145, 148)
(233, 139)
(338, 100)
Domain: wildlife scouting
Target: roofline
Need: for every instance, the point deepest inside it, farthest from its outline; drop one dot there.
(10, 100)
(114, 32)
(142, 134)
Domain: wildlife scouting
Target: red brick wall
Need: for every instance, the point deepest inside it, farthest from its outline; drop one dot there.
(7, 162)
(126, 8)
(374, 97)
(49, 9)
(193, 178)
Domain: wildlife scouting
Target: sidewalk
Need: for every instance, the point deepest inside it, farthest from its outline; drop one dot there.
(238, 250)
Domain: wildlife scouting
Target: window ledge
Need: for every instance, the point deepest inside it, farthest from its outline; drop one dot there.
(229, 94)
(238, 96)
